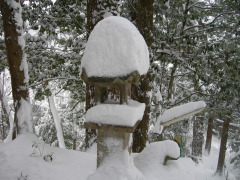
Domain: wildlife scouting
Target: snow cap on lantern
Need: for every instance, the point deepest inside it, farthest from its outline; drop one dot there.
(115, 48)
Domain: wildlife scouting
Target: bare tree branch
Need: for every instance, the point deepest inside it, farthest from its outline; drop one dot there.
(53, 79)
(205, 24)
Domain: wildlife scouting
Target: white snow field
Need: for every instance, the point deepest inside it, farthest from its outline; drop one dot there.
(17, 159)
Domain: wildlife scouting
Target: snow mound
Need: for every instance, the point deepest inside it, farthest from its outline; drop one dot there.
(116, 114)
(117, 166)
(156, 152)
(115, 48)
(150, 162)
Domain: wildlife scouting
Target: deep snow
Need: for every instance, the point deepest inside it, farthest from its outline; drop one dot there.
(17, 158)
(116, 114)
(178, 113)
(115, 48)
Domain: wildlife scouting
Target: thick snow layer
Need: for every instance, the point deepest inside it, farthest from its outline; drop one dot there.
(24, 68)
(181, 110)
(118, 165)
(68, 164)
(24, 115)
(18, 11)
(115, 48)
(179, 113)
(116, 114)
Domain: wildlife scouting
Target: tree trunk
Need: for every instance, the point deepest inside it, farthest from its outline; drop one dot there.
(209, 135)
(223, 147)
(143, 12)
(171, 82)
(90, 134)
(74, 136)
(96, 11)
(57, 122)
(140, 135)
(197, 138)
(7, 112)
(12, 26)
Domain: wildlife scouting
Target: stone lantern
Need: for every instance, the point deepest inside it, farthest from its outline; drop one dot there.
(112, 128)
(116, 56)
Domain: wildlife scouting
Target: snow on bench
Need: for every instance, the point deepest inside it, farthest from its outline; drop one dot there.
(158, 152)
(178, 113)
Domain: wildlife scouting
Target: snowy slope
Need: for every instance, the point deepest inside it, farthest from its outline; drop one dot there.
(73, 165)
(67, 164)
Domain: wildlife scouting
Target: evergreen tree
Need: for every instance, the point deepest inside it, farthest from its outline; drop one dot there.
(96, 11)
(142, 14)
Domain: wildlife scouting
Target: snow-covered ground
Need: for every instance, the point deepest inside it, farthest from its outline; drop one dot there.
(22, 158)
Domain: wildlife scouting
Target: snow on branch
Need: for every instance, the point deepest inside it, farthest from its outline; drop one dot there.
(53, 79)
(193, 5)
(208, 23)
(171, 53)
(231, 125)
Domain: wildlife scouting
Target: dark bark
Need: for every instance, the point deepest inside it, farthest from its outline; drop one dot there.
(171, 82)
(74, 144)
(96, 10)
(2, 127)
(140, 136)
(223, 146)
(197, 138)
(209, 135)
(14, 56)
(184, 22)
(90, 133)
(142, 16)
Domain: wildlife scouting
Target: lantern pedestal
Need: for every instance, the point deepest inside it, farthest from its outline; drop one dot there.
(112, 139)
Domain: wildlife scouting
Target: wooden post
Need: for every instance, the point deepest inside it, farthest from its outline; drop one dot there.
(197, 138)
(223, 147)
(209, 135)
(100, 93)
(125, 91)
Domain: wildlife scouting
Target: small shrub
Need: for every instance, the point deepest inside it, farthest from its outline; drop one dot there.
(39, 151)
(22, 177)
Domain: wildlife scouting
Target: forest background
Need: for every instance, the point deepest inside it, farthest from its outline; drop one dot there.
(194, 50)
